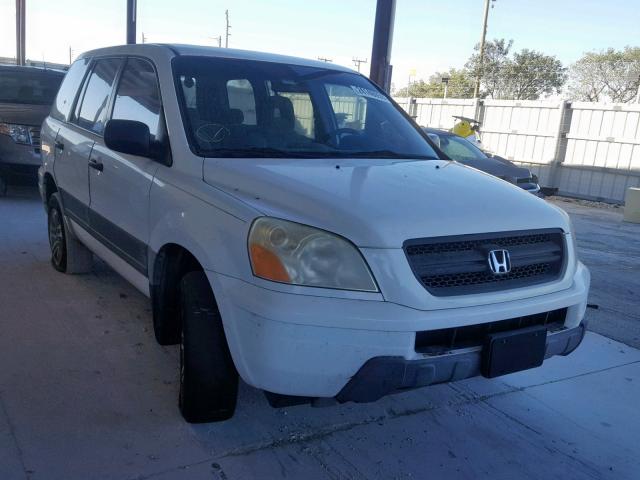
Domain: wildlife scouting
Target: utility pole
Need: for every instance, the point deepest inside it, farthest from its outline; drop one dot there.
(131, 21)
(382, 39)
(21, 14)
(326, 60)
(357, 61)
(227, 34)
(219, 39)
(476, 90)
(70, 55)
(144, 38)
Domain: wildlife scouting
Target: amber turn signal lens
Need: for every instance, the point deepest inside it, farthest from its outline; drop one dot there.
(267, 265)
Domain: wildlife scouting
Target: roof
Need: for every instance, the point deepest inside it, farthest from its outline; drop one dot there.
(32, 69)
(205, 51)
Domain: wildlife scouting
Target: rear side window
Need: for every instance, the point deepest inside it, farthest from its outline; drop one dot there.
(68, 90)
(95, 101)
(138, 95)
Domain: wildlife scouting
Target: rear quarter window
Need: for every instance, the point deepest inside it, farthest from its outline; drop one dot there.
(69, 89)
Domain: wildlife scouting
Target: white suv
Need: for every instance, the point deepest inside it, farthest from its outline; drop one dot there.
(293, 227)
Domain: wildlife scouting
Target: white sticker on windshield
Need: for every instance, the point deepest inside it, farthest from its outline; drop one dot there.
(369, 93)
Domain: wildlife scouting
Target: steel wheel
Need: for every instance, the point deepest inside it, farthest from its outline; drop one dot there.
(56, 236)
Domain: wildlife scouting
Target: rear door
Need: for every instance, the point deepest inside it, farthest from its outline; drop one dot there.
(77, 137)
(120, 183)
(69, 148)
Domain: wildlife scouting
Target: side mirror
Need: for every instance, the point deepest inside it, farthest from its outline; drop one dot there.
(129, 136)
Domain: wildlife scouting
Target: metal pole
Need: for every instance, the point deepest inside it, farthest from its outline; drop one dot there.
(476, 90)
(227, 34)
(131, 21)
(382, 40)
(446, 85)
(21, 56)
(70, 52)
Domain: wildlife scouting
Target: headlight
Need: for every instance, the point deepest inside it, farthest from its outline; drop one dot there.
(19, 133)
(289, 252)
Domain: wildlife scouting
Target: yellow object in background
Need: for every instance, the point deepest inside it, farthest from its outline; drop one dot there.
(463, 129)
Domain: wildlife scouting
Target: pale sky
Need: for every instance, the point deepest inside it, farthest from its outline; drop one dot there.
(429, 35)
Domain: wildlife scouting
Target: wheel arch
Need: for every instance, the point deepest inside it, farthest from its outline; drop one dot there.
(50, 186)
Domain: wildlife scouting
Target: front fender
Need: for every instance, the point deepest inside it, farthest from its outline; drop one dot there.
(216, 238)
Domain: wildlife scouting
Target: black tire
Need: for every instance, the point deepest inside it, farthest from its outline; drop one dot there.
(3, 186)
(208, 377)
(57, 235)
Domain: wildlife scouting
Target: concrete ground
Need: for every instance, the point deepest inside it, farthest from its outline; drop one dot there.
(86, 393)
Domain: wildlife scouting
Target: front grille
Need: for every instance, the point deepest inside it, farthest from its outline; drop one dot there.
(34, 132)
(438, 341)
(459, 265)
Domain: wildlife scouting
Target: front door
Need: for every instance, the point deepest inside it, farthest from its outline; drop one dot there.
(120, 183)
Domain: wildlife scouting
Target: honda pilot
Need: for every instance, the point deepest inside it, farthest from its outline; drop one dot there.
(294, 228)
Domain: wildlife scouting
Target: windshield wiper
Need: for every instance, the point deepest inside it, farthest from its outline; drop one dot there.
(390, 154)
(249, 152)
(267, 152)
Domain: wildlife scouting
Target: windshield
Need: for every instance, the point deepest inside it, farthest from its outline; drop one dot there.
(245, 108)
(36, 88)
(457, 148)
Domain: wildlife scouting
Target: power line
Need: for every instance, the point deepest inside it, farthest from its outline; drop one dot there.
(358, 61)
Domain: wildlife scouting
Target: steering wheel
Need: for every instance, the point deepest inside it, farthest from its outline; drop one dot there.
(338, 132)
(212, 132)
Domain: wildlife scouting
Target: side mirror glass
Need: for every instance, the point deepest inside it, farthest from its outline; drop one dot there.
(129, 136)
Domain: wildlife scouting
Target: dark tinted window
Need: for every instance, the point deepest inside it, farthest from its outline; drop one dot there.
(30, 86)
(69, 88)
(246, 108)
(138, 96)
(96, 97)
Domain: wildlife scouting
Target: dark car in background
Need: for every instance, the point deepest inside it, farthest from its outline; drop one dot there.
(26, 95)
(463, 151)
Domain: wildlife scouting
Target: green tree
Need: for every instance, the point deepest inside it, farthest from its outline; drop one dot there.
(530, 74)
(491, 73)
(460, 86)
(611, 74)
(524, 75)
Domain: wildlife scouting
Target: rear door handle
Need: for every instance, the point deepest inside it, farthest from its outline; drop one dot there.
(96, 165)
(59, 145)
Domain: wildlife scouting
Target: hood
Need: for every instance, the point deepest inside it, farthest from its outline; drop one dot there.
(23, 113)
(382, 203)
(498, 166)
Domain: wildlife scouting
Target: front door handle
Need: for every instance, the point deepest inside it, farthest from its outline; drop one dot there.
(96, 165)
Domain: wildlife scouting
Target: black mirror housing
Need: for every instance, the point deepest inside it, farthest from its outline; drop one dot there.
(129, 136)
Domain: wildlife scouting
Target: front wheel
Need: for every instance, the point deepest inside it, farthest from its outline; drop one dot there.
(208, 377)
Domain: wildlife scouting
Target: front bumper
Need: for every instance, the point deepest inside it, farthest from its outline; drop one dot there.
(382, 376)
(19, 155)
(312, 346)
